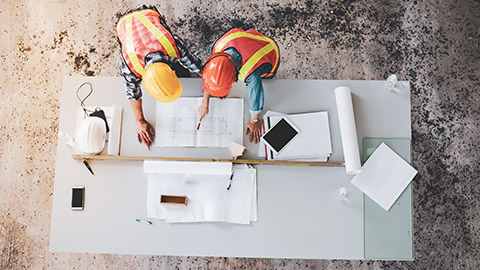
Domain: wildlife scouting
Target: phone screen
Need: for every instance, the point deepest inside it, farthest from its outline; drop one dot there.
(77, 197)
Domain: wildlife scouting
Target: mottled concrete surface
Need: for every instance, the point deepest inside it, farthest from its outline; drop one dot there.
(433, 44)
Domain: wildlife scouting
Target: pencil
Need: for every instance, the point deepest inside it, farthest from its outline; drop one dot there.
(88, 167)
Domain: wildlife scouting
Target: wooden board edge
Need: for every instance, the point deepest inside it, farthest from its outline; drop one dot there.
(236, 161)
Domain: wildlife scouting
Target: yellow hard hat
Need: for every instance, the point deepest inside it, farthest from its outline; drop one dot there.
(162, 83)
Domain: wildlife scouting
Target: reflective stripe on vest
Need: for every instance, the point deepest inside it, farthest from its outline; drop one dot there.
(129, 42)
(256, 57)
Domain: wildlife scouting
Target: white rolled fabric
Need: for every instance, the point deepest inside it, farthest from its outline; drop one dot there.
(343, 97)
(187, 167)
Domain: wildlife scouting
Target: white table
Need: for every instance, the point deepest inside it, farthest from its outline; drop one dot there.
(298, 215)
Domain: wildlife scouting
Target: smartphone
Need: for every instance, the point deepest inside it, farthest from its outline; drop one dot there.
(78, 198)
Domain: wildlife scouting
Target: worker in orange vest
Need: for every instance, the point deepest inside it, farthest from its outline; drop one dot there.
(245, 55)
(149, 52)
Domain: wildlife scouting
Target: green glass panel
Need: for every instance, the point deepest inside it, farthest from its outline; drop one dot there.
(389, 234)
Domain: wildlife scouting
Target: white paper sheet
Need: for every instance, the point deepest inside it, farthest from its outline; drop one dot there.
(312, 144)
(384, 176)
(176, 123)
(348, 131)
(208, 199)
(187, 167)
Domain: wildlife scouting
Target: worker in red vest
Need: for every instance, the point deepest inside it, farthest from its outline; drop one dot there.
(245, 55)
(149, 52)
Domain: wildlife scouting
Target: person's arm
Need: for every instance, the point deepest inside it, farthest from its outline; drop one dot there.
(145, 131)
(203, 108)
(255, 101)
(186, 58)
(132, 82)
(254, 127)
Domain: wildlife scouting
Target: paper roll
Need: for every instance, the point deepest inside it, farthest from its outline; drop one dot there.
(346, 118)
(187, 167)
(115, 131)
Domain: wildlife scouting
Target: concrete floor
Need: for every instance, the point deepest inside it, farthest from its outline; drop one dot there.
(433, 44)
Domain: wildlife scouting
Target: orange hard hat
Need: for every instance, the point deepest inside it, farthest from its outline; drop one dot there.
(219, 74)
(162, 83)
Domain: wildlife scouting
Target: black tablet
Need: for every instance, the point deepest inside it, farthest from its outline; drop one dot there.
(280, 135)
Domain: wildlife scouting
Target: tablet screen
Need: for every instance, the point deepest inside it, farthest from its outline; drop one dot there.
(280, 135)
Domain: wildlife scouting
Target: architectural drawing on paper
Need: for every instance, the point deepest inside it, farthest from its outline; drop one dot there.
(212, 126)
(176, 123)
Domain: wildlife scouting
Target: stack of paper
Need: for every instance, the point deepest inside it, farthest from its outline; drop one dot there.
(113, 115)
(206, 189)
(313, 143)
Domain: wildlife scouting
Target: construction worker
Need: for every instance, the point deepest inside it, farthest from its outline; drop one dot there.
(149, 52)
(245, 55)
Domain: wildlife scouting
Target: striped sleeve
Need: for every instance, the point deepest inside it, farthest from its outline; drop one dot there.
(187, 59)
(132, 82)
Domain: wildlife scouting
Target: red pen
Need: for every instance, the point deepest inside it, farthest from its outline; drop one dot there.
(198, 125)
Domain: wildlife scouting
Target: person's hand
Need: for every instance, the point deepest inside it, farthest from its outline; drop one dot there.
(255, 131)
(202, 110)
(145, 132)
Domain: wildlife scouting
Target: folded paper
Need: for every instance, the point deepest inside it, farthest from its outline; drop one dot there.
(384, 176)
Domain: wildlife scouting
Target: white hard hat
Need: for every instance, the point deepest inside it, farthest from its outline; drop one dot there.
(91, 135)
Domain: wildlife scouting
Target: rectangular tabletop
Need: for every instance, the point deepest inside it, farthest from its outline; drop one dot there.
(298, 214)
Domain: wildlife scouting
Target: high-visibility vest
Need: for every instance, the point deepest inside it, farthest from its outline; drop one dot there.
(140, 33)
(255, 49)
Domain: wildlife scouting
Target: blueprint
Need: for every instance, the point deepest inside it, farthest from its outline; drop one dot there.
(176, 123)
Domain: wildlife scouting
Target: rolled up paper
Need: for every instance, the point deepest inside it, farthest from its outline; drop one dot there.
(115, 131)
(348, 131)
